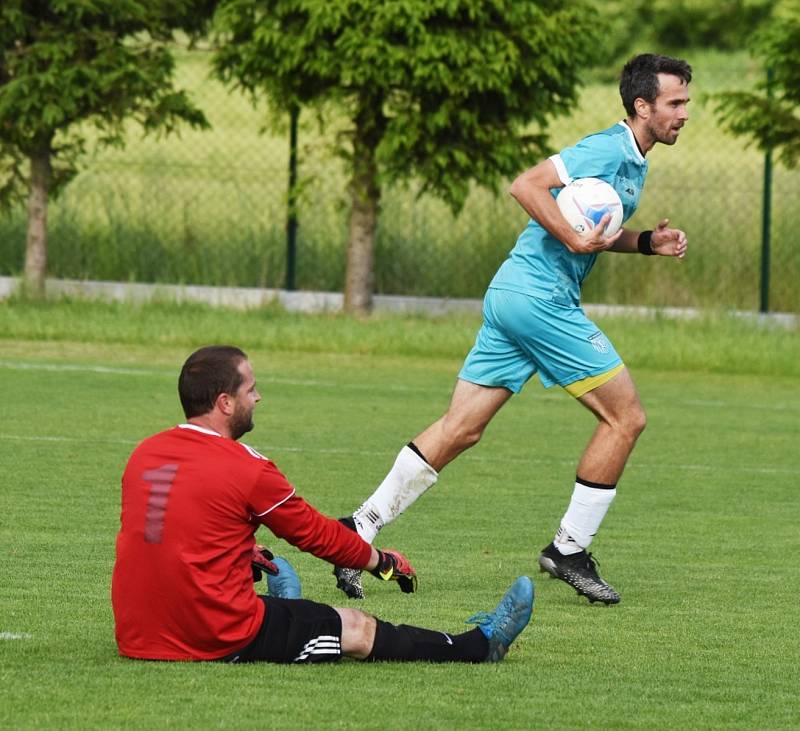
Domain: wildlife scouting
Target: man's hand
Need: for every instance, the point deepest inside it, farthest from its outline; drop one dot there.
(595, 241)
(394, 566)
(261, 563)
(668, 241)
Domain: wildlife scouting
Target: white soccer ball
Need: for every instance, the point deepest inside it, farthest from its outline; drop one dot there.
(586, 200)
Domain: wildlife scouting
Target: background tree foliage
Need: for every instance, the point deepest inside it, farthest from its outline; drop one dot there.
(444, 92)
(675, 26)
(769, 116)
(438, 94)
(71, 72)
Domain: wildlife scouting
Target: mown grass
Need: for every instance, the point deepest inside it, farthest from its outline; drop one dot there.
(715, 343)
(209, 207)
(701, 542)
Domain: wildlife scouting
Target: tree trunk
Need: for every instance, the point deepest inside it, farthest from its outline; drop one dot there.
(36, 243)
(365, 202)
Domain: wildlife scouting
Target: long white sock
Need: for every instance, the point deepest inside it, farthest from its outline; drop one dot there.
(586, 511)
(409, 478)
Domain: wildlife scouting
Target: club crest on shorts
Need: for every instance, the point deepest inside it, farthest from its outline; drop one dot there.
(599, 342)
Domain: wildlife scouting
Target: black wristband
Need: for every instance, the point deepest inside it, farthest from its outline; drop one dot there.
(381, 565)
(643, 244)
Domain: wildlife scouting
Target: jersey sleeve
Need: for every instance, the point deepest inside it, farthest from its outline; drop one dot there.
(271, 489)
(595, 156)
(304, 526)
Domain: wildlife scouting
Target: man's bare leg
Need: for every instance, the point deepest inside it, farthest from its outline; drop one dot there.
(417, 466)
(621, 420)
(471, 409)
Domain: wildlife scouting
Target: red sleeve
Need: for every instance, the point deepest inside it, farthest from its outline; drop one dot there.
(271, 487)
(304, 526)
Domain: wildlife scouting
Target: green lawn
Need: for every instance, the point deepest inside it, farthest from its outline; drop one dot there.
(702, 541)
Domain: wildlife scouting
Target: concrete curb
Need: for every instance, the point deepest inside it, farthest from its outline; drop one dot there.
(244, 298)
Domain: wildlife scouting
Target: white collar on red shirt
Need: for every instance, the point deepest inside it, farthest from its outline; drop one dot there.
(213, 433)
(201, 429)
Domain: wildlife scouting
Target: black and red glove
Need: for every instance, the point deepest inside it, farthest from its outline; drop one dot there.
(394, 566)
(261, 563)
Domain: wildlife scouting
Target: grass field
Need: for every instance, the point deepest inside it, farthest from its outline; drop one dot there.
(702, 541)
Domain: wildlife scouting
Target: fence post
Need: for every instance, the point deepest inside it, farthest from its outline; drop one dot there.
(766, 216)
(291, 220)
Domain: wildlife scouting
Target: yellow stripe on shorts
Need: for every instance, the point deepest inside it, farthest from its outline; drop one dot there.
(578, 388)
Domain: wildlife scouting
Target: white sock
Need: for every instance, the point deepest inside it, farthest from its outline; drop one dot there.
(409, 477)
(580, 523)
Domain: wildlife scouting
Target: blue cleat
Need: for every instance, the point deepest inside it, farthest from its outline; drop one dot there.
(286, 585)
(502, 626)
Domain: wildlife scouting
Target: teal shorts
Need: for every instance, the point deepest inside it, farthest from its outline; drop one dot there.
(522, 335)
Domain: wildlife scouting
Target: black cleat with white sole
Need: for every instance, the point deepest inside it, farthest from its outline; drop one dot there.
(579, 570)
(349, 581)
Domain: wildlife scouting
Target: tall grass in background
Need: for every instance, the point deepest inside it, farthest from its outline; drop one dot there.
(209, 208)
(714, 344)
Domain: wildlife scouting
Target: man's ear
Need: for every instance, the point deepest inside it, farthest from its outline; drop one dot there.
(224, 404)
(642, 108)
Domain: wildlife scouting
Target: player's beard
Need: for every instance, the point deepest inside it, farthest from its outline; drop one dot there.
(241, 422)
(665, 135)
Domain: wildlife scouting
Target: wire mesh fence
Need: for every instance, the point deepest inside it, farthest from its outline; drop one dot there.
(210, 207)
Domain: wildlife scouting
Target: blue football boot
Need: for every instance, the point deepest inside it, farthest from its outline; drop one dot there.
(502, 626)
(286, 584)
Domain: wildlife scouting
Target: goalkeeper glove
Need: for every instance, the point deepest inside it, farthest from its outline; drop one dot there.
(261, 563)
(394, 566)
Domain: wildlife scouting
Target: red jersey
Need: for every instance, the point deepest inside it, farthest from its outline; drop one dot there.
(182, 587)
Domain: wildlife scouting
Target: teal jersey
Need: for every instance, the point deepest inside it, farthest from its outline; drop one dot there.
(539, 264)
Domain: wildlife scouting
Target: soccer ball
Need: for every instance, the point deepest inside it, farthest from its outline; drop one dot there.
(586, 200)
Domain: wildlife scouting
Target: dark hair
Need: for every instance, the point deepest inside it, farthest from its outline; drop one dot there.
(639, 79)
(206, 374)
